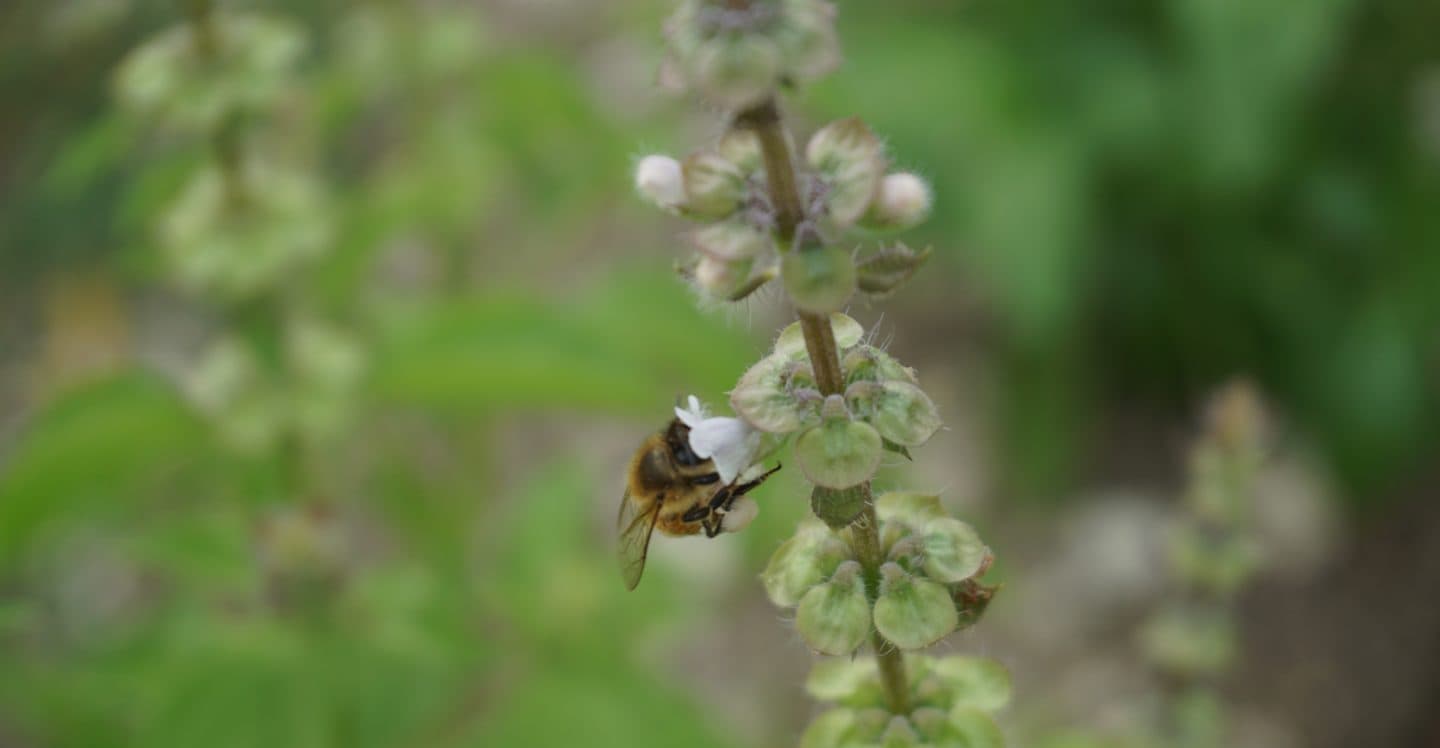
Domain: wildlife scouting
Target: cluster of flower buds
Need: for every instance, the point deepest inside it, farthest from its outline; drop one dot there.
(951, 700)
(240, 227)
(928, 586)
(840, 438)
(738, 52)
(238, 246)
(305, 390)
(1212, 553)
(724, 189)
(736, 251)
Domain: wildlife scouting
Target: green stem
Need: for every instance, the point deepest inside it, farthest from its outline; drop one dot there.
(765, 121)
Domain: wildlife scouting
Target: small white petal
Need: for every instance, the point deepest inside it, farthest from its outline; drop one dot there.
(903, 200)
(692, 416)
(741, 514)
(730, 442)
(659, 180)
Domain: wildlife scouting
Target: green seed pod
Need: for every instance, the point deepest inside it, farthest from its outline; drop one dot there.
(819, 279)
(846, 681)
(953, 551)
(834, 617)
(868, 363)
(899, 734)
(975, 728)
(850, 160)
(741, 147)
(972, 598)
(932, 724)
(791, 341)
(892, 534)
(977, 682)
(912, 612)
(910, 508)
(869, 722)
(904, 414)
(714, 187)
(806, 35)
(762, 398)
(800, 563)
(730, 240)
(837, 507)
(833, 729)
(736, 70)
(715, 278)
(839, 453)
(885, 271)
(930, 690)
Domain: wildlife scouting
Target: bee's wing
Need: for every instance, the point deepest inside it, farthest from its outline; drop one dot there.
(635, 530)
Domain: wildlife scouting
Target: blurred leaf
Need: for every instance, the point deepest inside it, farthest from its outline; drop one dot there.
(103, 442)
(636, 346)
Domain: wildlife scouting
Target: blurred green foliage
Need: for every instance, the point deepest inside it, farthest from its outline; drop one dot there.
(1144, 198)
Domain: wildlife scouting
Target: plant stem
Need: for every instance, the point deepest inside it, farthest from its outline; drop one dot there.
(765, 121)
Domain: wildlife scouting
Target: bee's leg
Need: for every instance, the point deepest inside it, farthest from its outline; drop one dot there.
(712, 525)
(748, 486)
(722, 498)
(696, 513)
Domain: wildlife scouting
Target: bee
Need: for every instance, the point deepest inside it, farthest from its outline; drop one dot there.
(671, 489)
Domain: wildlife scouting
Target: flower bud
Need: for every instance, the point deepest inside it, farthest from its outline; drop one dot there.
(912, 612)
(910, 508)
(819, 279)
(714, 187)
(885, 271)
(899, 734)
(762, 398)
(834, 617)
(791, 341)
(850, 161)
(839, 453)
(902, 200)
(802, 562)
(660, 181)
(977, 682)
(953, 551)
(904, 414)
(736, 71)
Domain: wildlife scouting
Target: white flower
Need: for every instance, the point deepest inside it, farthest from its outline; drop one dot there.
(659, 180)
(730, 442)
